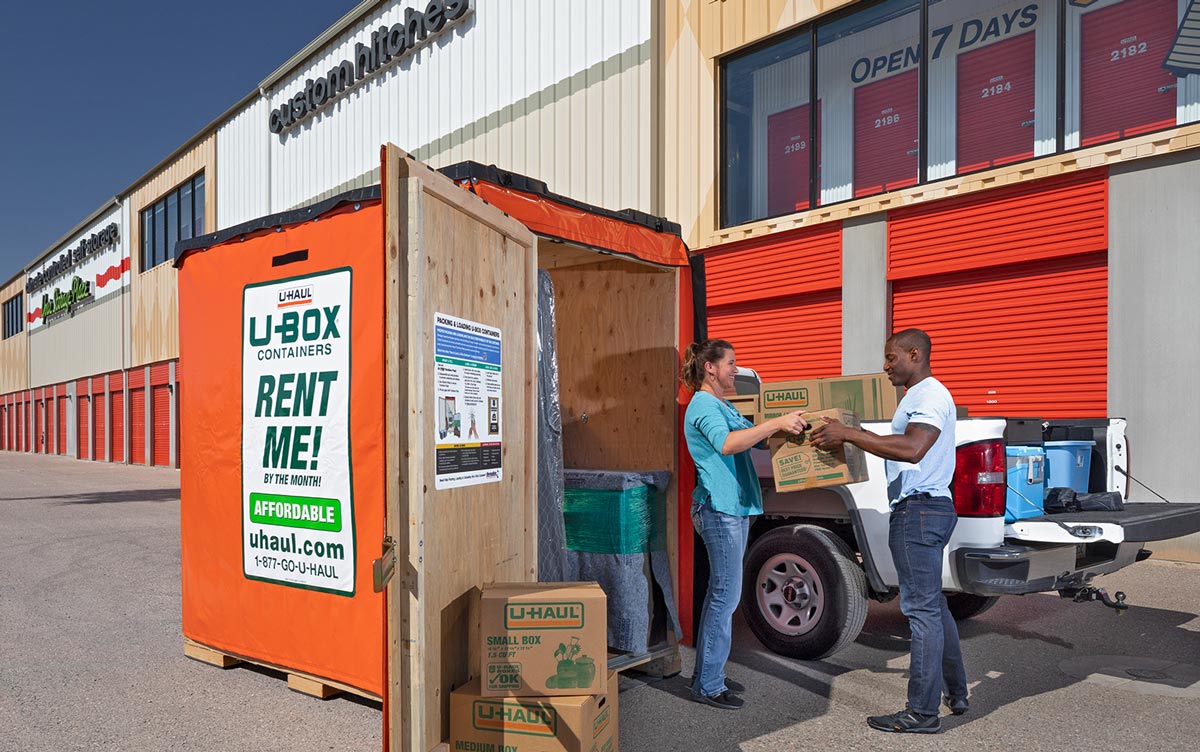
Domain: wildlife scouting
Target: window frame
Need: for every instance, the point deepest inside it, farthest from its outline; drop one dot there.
(1059, 7)
(151, 254)
(14, 315)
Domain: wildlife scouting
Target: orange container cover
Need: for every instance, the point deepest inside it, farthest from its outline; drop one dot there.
(262, 575)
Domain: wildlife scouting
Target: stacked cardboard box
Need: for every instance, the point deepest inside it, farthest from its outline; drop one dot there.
(544, 684)
(871, 396)
(798, 465)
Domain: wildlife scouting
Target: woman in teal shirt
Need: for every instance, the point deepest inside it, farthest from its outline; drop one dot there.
(726, 496)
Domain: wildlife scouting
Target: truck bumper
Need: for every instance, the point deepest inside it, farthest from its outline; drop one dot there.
(1016, 569)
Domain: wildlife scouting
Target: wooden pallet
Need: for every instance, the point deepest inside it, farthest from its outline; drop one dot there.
(659, 661)
(297, 681)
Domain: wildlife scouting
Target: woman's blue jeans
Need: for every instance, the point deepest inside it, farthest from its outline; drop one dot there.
(919, 530)
(724, 538)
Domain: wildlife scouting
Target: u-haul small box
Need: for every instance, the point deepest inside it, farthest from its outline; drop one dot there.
(584, 723)
(798, 465)
(544, 640)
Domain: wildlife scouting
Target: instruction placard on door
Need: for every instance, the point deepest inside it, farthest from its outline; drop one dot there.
(468, 413)
(297, 498)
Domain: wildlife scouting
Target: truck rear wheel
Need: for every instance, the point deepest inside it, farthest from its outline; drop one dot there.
(804, 593)
(965, 605)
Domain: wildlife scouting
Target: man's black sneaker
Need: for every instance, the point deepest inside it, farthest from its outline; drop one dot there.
(725, 700)
(906, 722)
(957, 705)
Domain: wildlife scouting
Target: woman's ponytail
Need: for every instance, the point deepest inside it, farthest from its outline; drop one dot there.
(696, 355)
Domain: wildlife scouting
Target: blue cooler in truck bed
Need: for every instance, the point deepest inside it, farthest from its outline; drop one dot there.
(1069, 464)
(1026, 483)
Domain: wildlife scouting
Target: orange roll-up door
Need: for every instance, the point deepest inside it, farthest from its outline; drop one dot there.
(1012, 286)
(777, 300)
(98, 416)
(160, 397)
(82, 413)
(116, 414)
(160, 421)
(62, 407)
(1029, 341)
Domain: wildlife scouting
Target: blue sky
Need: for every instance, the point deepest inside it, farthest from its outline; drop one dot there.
(97, 93)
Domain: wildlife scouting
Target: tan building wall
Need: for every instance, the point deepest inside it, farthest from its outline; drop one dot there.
(14, 351)
(696, 33)
(154, 294)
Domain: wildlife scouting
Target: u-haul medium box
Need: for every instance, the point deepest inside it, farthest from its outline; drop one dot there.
(582, 723)
(544, 639)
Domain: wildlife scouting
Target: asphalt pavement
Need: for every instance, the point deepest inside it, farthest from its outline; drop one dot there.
(91, 654)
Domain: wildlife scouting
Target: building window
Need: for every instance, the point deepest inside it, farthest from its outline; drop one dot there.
(868, 79)
(766, 131)
(177, 216)
(14, 315)
(992, 84)
(1117, 84)
(1003, 82)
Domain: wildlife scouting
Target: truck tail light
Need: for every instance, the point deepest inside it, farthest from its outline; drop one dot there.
(979, 479)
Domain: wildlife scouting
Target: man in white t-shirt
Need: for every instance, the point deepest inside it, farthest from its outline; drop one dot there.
(920, 471)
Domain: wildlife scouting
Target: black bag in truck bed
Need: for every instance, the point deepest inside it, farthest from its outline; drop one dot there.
(1143, 522)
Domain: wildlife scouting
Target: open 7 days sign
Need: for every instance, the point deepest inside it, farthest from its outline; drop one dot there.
(297, 501)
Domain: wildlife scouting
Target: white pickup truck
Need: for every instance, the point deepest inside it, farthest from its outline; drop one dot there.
(816, 557)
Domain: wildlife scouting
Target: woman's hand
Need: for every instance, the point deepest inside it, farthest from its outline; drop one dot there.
(791, 423)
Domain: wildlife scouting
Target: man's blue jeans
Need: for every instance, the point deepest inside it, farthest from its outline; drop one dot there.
(725, 540)
(919, 530)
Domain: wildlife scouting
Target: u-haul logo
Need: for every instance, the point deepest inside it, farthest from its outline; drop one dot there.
(786, 398)
(543, 616)
(295, 296)
(600, 725)
(512, 717)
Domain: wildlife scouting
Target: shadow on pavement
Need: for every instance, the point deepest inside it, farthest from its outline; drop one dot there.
(107, 497)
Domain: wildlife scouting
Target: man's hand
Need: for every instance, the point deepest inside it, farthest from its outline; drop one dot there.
(830, 434)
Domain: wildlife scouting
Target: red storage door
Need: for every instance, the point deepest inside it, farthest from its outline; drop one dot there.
(789, 150)
(82, 434)
(777, 299)
(1012, 285)
(161, 398)
(1028, 340)
(61, 435)
(885, 134)
(21, 434)
(137, 423)
(116, 415)
(36, 408)
(1124, 89)
(995, 104)
(98, 416)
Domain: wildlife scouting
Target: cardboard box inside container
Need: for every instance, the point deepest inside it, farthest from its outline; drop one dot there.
(746, 404)
(871, 396)
(479, 723)
(546, 640)
(798, 465)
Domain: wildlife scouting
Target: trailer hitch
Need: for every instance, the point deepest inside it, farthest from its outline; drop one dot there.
(1088, 593)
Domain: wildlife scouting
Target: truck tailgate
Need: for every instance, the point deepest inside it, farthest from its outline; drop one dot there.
(1141, 522)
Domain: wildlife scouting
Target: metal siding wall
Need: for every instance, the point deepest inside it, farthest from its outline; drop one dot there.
(1154, 354)
(563, 103)
(14, 351)
(243, 143)
(89, 342)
